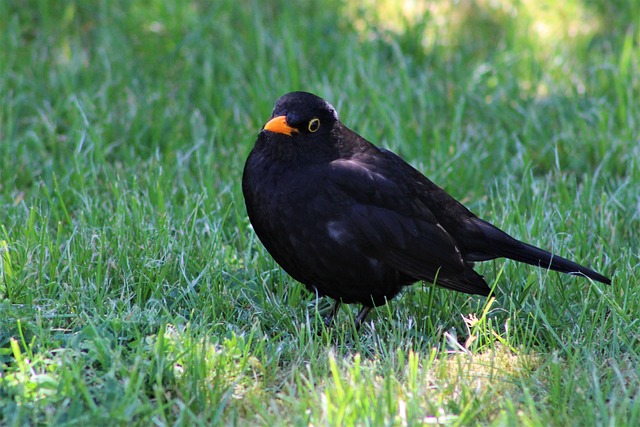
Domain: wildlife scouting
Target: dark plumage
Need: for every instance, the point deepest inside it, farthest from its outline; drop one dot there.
(356, 222)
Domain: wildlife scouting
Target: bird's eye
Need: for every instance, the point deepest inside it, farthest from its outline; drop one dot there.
(314, 125)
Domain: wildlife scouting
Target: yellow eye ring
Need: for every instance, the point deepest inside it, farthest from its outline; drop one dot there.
(314, 125)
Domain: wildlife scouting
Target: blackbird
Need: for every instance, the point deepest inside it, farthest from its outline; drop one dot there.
(356, 223)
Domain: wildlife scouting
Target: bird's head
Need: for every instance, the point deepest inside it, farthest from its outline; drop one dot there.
(300, 116)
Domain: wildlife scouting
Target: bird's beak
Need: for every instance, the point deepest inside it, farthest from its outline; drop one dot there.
(279, 125)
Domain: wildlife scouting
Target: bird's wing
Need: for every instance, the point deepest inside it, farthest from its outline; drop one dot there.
(382, 212)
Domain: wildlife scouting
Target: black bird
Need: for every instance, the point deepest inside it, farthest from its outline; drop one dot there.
(356, 223)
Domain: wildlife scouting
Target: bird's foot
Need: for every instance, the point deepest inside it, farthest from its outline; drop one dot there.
(328, 320)
(362, 315)
(359, 320)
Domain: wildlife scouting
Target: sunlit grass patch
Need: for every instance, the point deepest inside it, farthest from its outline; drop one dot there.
(440, 388)
(545, 24)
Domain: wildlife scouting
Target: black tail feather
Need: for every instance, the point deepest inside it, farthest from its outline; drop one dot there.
(495, 243)
(529, 254)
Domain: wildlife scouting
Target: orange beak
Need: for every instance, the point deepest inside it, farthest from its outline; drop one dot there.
(279, 125)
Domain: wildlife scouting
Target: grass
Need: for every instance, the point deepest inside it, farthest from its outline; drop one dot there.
(133, 290)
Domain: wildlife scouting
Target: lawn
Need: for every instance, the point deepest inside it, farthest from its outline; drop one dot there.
(133, 290)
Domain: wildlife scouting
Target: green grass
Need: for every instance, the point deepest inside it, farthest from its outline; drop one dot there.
(134, 292)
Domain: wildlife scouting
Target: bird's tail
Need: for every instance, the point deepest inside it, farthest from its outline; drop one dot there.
(498, 244)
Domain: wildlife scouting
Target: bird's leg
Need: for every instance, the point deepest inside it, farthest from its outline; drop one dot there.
(362, 314)
(329, 317)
